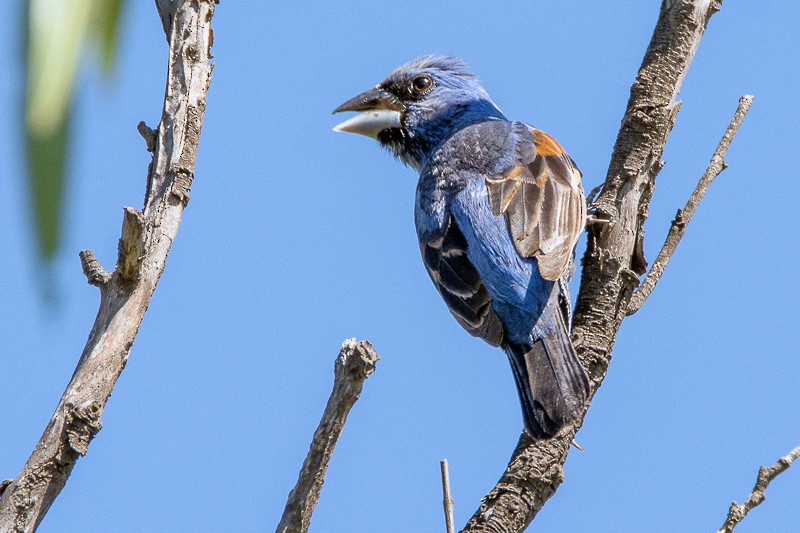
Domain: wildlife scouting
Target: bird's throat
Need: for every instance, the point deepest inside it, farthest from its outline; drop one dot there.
(409, 149)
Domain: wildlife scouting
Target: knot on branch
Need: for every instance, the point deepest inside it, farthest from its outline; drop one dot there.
(181, 186)
(131, 248)
(679, 222)
(191, 51)
(638, 118)
(95, 274)
(81, 424)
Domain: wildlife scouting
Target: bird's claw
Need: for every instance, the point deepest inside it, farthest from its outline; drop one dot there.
(594, 219)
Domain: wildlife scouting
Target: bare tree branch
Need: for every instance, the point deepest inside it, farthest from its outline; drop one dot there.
(613, 259)
(765, 476)
(682, 218)
(447, 498)
(125, 294)
(355, 363)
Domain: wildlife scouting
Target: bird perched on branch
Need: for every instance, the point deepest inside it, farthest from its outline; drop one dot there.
(499, 209)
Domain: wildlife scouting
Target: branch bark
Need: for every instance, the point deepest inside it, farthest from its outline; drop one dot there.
(447, 498)
(125, 294)
(355, 363)
(757, 496)
(613, 260)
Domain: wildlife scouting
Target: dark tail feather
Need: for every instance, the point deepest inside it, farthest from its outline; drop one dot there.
(551, 383)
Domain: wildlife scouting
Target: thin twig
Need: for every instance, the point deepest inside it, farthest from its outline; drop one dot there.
(682, 218)
(355, 363)
(765, 476)
(447, 498)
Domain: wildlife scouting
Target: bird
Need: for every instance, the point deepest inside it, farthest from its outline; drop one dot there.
(499, 209)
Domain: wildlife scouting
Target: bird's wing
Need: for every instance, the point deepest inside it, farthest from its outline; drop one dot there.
(460, 285)
(542, 198)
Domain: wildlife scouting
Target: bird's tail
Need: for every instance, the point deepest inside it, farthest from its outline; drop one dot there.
(551, 382)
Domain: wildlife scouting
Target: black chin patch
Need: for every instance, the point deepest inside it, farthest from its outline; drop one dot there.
(392, 136)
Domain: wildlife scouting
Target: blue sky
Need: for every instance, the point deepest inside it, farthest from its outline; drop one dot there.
(297, 237)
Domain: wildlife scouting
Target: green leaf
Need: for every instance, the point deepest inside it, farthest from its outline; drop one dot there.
(105, 29)
(53, 36)
(54, 33)
(46, 161)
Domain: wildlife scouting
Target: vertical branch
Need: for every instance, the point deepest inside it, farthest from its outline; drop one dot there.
(447, 498)
(613, 260)
(125, 293)
(355, 363)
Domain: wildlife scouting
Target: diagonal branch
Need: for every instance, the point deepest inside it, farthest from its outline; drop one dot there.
(126, 293)
(678, 227)
(765, 476)
(613, 259)
(355, 363)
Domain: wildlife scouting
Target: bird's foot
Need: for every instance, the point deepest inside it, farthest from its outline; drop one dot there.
(591, 218)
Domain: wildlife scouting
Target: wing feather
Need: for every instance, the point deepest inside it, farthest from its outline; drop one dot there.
(542, 199)
(460, 285)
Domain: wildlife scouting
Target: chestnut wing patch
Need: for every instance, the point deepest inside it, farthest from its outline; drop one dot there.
(542, 199)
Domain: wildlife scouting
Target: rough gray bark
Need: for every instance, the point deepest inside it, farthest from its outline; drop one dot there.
(355, 363)
(614, 258)
(125, 293)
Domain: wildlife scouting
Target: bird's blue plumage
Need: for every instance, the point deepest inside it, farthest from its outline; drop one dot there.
(519, 293)
(499, 207)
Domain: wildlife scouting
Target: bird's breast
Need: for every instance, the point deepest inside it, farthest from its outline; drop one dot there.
(431, 210)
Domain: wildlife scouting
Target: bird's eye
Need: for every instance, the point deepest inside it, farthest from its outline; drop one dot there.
(422, 84)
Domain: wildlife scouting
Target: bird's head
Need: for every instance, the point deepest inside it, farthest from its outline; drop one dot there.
(418, 106)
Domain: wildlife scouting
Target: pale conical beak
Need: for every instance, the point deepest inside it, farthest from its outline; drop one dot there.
(370, 123)
(380, 110)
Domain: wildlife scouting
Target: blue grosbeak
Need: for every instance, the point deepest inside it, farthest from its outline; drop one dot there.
(499, 209)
